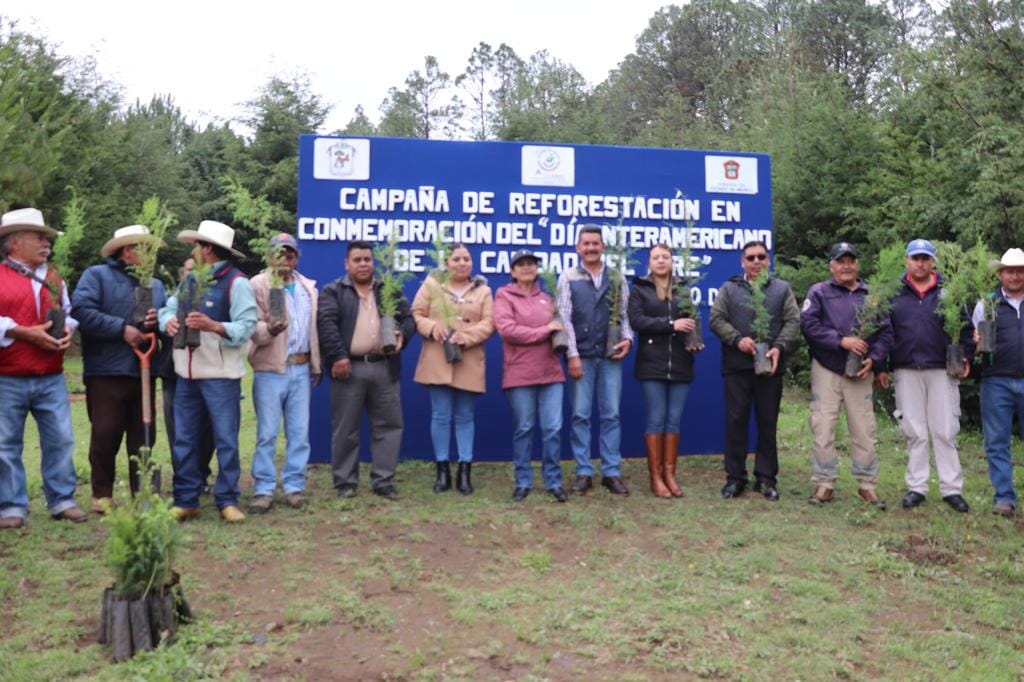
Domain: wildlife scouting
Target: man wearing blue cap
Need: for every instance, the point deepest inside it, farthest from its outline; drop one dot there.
(285, 358)
(927, 398)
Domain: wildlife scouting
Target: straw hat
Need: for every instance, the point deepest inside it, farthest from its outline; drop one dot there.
(132, 234)
(25, 220)
(211, 232)
(1013, 258)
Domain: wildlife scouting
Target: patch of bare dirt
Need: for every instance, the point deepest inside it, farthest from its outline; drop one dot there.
(923, 552)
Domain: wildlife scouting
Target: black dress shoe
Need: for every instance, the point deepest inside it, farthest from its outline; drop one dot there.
(615, 485)
(913, 499)
(462, 478)
(767, 489)
(559, 494)
(581, 485)
(386, 491)
(347, 491)
(957, 502)
(733, 489)
(520, 494)
(444, 477)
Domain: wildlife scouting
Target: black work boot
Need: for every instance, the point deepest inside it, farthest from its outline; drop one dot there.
(462, 480)
(444, 477)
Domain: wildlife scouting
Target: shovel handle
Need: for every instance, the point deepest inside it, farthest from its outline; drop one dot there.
(147, 399)
(144, 356)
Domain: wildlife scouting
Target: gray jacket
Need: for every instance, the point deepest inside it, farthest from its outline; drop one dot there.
(732, 319)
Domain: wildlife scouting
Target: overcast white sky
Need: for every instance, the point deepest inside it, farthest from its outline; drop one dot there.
(212, 56)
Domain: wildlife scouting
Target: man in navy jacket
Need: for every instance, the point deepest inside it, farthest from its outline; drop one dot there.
(927, 398)
(103, 304)
(828, 321)
(1002, 376)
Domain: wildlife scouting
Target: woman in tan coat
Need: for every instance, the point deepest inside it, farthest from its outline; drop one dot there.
(456, 308)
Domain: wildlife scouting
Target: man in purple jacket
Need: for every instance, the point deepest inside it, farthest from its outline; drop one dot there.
(828, 320)
(927, 398)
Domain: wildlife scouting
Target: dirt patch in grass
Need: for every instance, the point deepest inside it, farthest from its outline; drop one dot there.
(924, 552)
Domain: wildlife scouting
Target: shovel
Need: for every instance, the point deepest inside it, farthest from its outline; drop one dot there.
(147, 411)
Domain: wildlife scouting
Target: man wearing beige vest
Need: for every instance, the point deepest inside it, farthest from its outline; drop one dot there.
(209, 376)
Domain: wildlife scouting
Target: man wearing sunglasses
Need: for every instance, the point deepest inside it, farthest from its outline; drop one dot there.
(927, 398)
(732, 318)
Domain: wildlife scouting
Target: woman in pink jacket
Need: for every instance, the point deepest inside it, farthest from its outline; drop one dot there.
(532, 375)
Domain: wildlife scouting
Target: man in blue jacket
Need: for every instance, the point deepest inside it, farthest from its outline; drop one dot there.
(927, 398)
(103, 304)
(828, 321)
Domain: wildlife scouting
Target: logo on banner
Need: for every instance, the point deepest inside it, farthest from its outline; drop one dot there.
(548, 166)
(341, 159)
(730, 175)
(548, 160)
(342, 155)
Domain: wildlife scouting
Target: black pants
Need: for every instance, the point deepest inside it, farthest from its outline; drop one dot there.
(742, 388)
(114, 405)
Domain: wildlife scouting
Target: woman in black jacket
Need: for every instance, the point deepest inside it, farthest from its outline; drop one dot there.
(664, 366)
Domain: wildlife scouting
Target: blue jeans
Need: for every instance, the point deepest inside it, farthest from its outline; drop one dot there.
(218, 398)
(46, 397)
(449, 404)
(275, 395)
(665, 402)
(1000, 398)
(531, 404)
(606, 377)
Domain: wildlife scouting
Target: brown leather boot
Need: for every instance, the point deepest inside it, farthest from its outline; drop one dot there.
(670, 454)
(655, 443)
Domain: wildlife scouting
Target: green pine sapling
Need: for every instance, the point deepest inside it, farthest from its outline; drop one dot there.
(761, 324)
(559, 339)
(143, 539)
(684, 283)
(956, 287)
(75, 227)
(440, 299)
(886, 281)
(387, 272)
(683, 286)
(257, 213)
(618, 260)
(158, 219)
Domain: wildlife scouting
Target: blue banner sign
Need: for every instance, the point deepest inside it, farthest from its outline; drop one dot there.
(498, 197)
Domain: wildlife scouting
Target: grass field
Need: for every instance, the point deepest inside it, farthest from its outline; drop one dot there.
(452, 587)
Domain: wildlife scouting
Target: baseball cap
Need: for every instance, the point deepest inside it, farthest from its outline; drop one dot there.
(521, 254)
(842, 249)
(283, 239)
(921, 247)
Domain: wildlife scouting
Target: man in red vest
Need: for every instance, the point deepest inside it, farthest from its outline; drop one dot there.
(32, 370)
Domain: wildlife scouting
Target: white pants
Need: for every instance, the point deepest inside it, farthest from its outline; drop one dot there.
(929, 400)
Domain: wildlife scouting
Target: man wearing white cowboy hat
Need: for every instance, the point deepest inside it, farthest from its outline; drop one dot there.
(1002, 377)
(209, 376)
(103, 304)
(32, 370)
